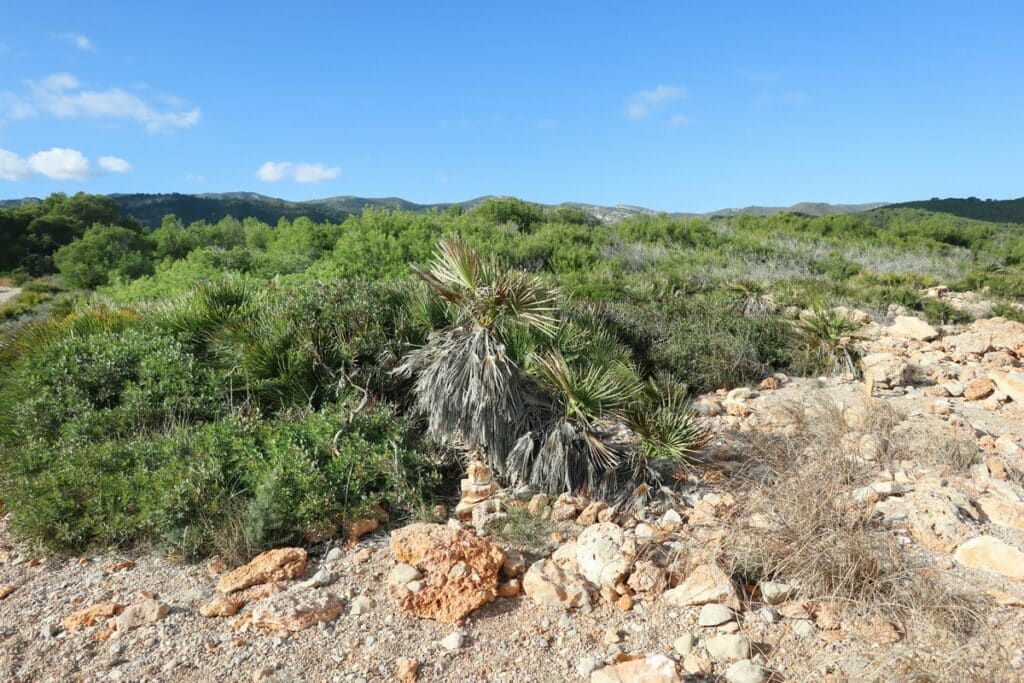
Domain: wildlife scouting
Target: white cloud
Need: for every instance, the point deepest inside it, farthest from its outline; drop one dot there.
(62, 96)
(194, 178)
(60, 163)
(301, 172)
(677, 120)
(642, 103)
(12, 166)
(56, 163)
(115, 165)
(547, 124)
(273, 171)
(76, 39)
(315, 173)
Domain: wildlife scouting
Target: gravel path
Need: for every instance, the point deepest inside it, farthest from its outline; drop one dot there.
(7, 294)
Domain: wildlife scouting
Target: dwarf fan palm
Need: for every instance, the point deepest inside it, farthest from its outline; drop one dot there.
(827, 342)
(583, 442)
(469, 386)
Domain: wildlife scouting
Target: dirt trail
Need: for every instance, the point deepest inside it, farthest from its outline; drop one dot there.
(7, 294)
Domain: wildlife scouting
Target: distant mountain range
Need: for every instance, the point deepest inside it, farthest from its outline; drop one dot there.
(151, 208)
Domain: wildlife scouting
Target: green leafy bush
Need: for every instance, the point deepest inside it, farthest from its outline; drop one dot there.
(107, 385)
(103, 253)
(242, 482)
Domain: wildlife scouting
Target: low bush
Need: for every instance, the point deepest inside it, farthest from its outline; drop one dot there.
(241, 484)
(103, 253)
(85, 388)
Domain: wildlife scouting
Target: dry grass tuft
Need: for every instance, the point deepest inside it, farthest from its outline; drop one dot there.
(797, 522)
(931, 662)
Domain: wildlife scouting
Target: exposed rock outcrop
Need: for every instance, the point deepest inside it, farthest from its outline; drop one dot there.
(460, 570)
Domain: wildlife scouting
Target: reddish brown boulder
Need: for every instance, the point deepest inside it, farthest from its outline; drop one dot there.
(281, 564)
(460, 570)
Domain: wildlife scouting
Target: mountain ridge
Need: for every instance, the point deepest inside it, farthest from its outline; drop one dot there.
(150, 208)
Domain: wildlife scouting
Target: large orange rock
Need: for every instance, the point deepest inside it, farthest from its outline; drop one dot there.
(281, 564)
(222, 607)
(460, 570)
(90, 616)
(992, 554)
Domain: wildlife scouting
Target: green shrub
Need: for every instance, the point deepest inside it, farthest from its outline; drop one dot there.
(941, 313)
(24, 303)
(286, 480)
(1009, 312)
(102, 253)
(90, 387)
(499, 210)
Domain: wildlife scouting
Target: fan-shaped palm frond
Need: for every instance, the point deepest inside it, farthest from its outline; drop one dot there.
(752, 298)
(587, 394)
(669, 430)
(487, 295)
(827, 343)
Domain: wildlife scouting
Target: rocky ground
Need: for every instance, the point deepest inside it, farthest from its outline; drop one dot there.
(886, 514)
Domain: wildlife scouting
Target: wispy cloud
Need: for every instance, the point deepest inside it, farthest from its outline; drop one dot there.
(12, 166)
(76, 39)
(115, 165)
(56, 163)
(643, 103)
(774, 99)
(547, 124)
(194, 178)
(4, 49)
(299, 172)
(61, 95)
(677, 120)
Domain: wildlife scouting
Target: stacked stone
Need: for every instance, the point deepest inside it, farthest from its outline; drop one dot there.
(478, 486)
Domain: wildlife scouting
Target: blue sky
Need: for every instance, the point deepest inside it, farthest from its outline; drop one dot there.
(671, 105)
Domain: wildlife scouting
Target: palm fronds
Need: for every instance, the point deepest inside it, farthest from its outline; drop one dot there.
(827, 343)
(670, 430)
(486, 294)
(752, 298)
(586, 394)
(556, 406)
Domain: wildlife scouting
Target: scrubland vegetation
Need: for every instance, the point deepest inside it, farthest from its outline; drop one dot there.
(239, 384)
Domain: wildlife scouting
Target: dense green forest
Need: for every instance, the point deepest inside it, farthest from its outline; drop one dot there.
(242, 384)
(998, 210)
